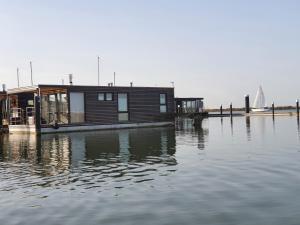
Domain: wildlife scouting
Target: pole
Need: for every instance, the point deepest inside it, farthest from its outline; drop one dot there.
(231, 109)
(31, 73)
(297, 107)
(247, 104)
(18, 77)
(71, 79)
(98, 71)
(273, 109)
(221, 110)
(114, 78)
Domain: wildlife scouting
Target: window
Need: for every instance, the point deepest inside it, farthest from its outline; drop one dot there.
(105, 96)
(163, 103)
(162, 99)
(123, 117)
(122, 102)
(123, 107)
(108, 96)
(163, 109)
(101, 97)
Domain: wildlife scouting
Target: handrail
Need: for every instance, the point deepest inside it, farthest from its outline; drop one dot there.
(19, 116)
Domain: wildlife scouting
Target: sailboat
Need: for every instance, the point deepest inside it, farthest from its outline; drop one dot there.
(260, 102)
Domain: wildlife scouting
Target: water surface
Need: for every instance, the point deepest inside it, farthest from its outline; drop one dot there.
(240, 171)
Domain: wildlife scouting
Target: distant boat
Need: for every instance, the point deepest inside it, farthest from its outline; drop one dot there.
(260, 102)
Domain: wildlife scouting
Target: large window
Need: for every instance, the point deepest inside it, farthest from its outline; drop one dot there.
(123, 107)
(163, 103)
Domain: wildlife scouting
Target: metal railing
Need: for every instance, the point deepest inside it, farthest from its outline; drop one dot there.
(19, 116)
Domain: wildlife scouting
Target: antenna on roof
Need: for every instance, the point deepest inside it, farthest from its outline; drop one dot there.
(18, 77)
(98, 71)
(31, 73)
(114, 78)
(71, 79)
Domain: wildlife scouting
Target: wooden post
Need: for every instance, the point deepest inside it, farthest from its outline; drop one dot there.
(1, 113)
(57, 104)
(221, 110)
(231, 109)
(247, 104)
(273, 110)
(37, 107)
(297, 107)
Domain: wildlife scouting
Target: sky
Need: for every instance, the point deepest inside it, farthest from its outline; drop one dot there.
(219, 50)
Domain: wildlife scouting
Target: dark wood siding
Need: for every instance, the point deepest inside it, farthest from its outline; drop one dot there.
(143, 104)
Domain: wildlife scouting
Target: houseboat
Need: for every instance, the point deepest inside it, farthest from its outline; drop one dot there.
(185, 106)
(63, 108)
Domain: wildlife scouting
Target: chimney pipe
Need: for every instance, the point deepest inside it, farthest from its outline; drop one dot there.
(71, 79)
(4, 87)
(131, 84)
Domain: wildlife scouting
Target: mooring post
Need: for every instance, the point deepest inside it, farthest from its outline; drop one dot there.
(221, 110)
(297, 107)
(247, 104)
(231, 109)
(273, 110)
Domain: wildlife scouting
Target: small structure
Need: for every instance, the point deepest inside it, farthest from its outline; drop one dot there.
(61, 108)
(189, 106)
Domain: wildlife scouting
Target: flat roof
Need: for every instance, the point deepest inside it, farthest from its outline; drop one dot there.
(22, 89)
(188, 99)
(54, 86)
(95, 86)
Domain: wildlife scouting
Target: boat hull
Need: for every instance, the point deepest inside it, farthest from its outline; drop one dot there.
(260, 110)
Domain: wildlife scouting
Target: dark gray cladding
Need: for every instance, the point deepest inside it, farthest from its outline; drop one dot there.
(143, 103)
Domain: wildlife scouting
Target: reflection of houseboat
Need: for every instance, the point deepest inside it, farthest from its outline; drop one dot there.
(61, 108)
(60, 151)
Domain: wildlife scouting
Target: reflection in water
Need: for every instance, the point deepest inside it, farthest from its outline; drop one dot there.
(222, 126)
(262, 124)
(248, 128)
(273, 125)
(188, 127)
(231, 125)
(298, 127)
(145, 176)
(132, 153)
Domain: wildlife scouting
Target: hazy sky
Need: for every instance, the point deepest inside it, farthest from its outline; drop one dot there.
(219, 50)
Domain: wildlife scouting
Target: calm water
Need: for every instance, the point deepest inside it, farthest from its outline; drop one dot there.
(244, 172)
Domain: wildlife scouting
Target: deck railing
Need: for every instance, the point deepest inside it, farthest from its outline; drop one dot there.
(19, 116)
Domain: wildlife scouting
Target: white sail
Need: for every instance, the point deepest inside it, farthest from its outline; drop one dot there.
(259, 102)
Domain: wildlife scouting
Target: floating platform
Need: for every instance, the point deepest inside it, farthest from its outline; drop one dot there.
(225, 115)
(86, 127)
(271, 114)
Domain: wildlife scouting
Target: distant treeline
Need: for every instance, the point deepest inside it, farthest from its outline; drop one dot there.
(243, 109)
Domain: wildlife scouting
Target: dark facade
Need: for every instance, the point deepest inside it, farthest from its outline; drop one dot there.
(143, 104)
(68, 105)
